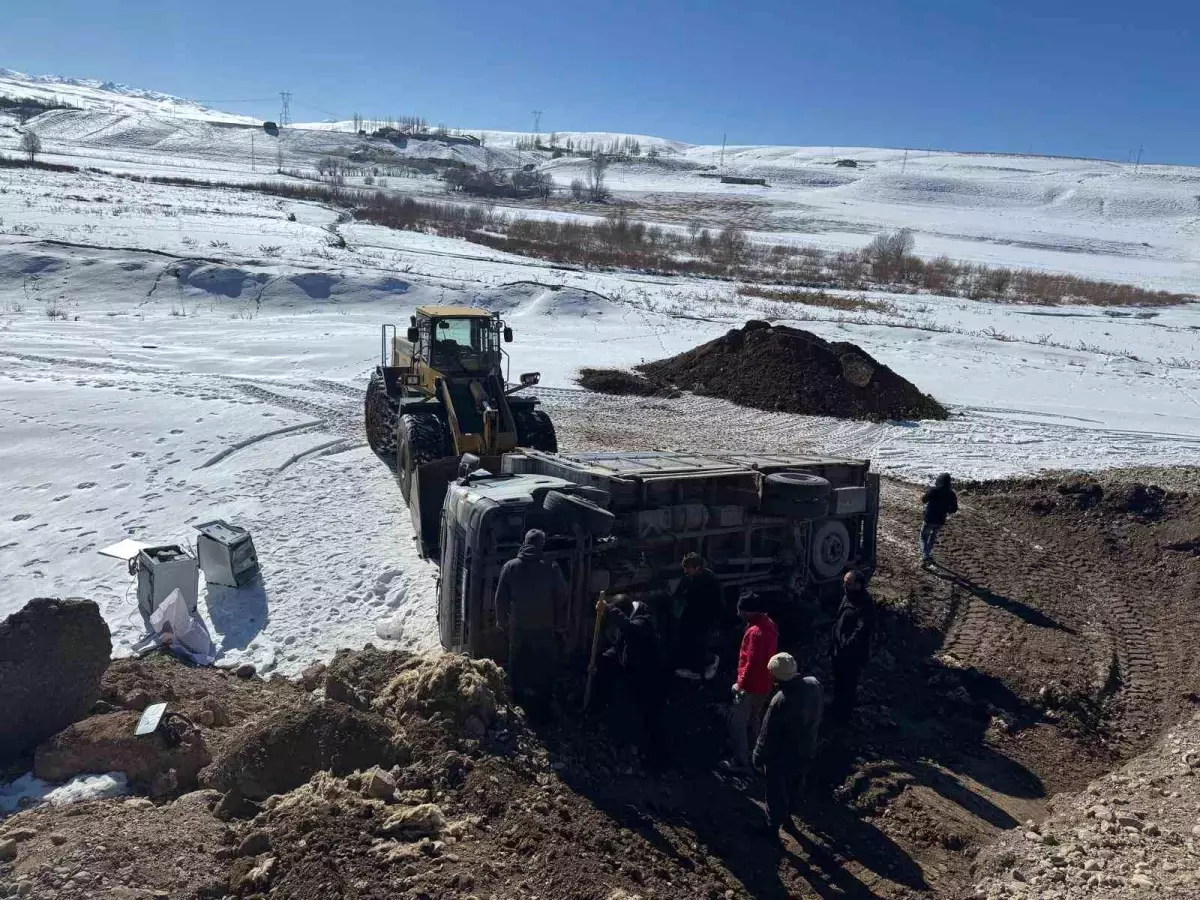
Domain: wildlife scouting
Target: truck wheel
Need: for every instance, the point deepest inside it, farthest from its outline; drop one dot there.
(579, 511)
(535, 430)
(420, 438)
(380, 416)
(830, 549)
(796, 495)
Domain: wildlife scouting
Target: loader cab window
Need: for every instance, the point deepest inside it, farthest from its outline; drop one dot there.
(463, 345)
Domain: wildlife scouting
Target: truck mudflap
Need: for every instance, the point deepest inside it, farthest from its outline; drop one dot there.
(428, 494)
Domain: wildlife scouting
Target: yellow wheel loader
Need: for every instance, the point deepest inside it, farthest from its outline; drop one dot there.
(441, 392)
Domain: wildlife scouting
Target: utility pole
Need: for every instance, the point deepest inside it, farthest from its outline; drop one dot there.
(285, 108)
(905, 162)
(537, 123)
(1138, 165)
(252, 169)
(721, 168)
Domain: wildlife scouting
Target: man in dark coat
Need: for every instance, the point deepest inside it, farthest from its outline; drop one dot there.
(852, 631)
(940, 501)
(787, 740)
(531, 599)
(638, 656)
(698, 607)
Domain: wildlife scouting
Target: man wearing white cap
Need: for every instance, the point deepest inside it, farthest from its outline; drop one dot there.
(788, 739)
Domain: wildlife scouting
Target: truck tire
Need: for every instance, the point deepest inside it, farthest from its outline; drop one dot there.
(579, 511)
(830, 549)
(535, 430)
(380, 417)
(796, 495)
(420, 438)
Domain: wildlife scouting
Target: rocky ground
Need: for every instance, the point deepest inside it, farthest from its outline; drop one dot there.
(1052, 644)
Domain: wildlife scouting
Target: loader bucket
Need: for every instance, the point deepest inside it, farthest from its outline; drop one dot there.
(425, 502)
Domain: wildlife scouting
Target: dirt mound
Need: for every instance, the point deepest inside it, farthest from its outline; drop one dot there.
(1130, 834)
(357, 677)
(466, 692)
(52, 654)
(616, 381)
(785, 369)
(286, 748)
(162, 763)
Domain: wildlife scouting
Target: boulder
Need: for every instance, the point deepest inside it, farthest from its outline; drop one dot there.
(52, 655)
(165, 761)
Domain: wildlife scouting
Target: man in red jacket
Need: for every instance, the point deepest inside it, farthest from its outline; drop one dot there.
(753, 686)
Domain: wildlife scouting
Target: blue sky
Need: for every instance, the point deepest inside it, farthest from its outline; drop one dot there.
(1065, 77)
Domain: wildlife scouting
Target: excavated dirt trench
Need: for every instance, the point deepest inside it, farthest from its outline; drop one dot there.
(1054, 639)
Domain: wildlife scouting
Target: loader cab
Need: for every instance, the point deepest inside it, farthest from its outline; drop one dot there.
(457, 341)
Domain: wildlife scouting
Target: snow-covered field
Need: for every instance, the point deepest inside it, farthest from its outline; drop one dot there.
(172, 355)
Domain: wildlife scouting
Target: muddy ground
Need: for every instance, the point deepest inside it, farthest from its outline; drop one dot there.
(1053, 640)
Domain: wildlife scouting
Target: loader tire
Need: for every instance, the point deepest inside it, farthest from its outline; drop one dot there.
(575, 510)
(381, 414)
(535, 430)
(420, 438)
(796, 495)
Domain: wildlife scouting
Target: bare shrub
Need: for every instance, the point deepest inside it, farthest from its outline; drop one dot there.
(597, 190)
(860, 303)
(31, 144)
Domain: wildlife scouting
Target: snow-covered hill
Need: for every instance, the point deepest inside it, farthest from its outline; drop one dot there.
(89, 93)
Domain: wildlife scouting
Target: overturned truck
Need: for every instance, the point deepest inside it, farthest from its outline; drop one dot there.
(621, 522)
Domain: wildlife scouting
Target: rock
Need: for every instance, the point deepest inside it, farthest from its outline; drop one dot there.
(24, 888)
(1151, 829)
(379, 784)
(57, 838)
(1126, 821)
(415, 822)
(1091, 865)
(1140, 880)
(220, 716)
(286, 748)
(52, 655)
(138, 803)
(245, 670)
(138, 700)
(206, 717)
(107, 744)
(255, 843)
(310, 678)
(248, 876)
(8, 849)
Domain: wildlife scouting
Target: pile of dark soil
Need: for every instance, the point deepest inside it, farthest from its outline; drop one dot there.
(615, 381)
(783, 369)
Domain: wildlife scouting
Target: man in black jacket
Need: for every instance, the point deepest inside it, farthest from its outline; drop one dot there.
(531, 598)
(940, 501)
(852, 631)
(638, 655)
(698, 607)
(788, 739)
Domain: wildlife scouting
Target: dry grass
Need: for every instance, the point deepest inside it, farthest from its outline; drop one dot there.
(840, 302)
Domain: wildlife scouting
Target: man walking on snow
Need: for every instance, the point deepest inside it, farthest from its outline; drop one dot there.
(940, 501)
(753, 685)
(699, 594)
(531, 596)
(788, 739)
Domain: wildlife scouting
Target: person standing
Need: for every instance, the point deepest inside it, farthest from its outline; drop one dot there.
(940, 501)
(787, 740)
(698, 601)
(852, 632)
(638, 656)
(753, 685)
(531, 598)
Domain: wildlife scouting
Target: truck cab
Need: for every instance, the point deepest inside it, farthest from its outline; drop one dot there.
(621, 522)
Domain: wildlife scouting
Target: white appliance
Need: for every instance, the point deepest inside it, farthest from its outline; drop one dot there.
(226, 554)
(161, 570)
